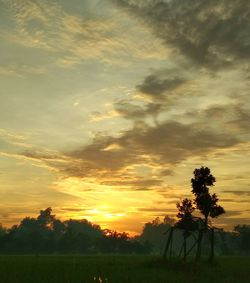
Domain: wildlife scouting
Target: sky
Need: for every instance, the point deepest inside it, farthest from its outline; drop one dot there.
(108, 106)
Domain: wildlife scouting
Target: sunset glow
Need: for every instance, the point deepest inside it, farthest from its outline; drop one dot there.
(106, 109)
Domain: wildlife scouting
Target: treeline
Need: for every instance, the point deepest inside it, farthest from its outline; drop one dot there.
(48, 235)
(236, 242)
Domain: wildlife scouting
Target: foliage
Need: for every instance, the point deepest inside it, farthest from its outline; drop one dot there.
(204, 201)
(46, 234)
(49, 235)
(186, 220)
(243, 236)
(153, 233)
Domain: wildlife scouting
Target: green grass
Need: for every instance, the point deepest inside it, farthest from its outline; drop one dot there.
(120, 269)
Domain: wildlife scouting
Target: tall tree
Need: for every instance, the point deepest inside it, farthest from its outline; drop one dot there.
(205, 202)
(186, 220)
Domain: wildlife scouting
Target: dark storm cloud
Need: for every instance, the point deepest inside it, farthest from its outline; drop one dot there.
(212, 33)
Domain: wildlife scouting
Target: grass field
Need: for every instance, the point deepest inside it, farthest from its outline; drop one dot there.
(119, 269)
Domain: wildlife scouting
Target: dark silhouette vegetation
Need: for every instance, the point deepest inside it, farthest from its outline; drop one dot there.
(235, 242)
(189, 234)
(204, 201)
(48, 235)
(197, 229)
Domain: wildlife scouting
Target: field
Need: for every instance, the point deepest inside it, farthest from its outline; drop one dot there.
(119, 269)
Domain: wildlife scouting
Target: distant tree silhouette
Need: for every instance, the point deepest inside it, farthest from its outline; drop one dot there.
(45, 218)
(186, 219)
(169, 220)
(49, 235)
(204, 201)
(3, 232)
(207, 205)
(243, 235)
(153, 232)
(79, 236)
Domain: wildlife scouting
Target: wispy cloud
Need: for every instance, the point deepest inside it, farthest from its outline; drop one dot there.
(186, 102)
(214, 34)
(75, 38)
(21, 71)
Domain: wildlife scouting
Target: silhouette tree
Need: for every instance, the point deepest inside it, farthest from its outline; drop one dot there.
(243, 235)
(153, 232)
(45, 218)
(186, 220)
(204, 201)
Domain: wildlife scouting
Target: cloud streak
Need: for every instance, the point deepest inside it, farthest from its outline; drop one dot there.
(110, 159)
(74, 38)
(210, 33)
(145, 92)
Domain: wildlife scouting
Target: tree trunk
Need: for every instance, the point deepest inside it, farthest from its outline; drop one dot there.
(168, 242)
(185, 247)
(206, 221)
(212, 244)
(199, 242)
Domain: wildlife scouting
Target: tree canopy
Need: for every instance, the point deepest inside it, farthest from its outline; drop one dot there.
(204, 201)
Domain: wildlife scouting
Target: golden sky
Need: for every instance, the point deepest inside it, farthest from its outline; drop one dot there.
(107, 107)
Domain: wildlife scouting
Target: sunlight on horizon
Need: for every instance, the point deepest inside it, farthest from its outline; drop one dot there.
(107, 107)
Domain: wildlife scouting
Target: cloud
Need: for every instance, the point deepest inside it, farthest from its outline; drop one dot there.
(13, 140)
(157, 210)
(72, 209)
(133, 111)
(73, 36)
(137, 184)
(98, 116)
(165, 144)
(210, 33)
(157, 84)
(239, 192)
(234, 117)
(21, 70)
(246, 201)
(112, 160)
(203, 37)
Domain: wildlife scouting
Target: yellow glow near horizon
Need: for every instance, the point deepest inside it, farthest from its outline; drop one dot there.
(108, 122)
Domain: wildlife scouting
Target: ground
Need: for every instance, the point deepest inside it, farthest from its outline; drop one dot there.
(120, 269)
